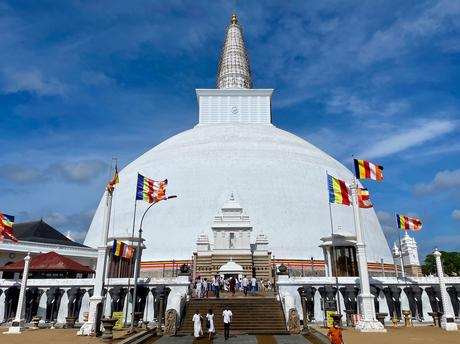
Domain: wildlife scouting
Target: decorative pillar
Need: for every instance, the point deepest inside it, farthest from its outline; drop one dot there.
(368, 322)
(89, 327)
(447, 320)
(18, 323)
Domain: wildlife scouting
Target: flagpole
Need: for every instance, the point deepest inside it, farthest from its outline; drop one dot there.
(339, 308)
(403, 273)
(333, 255)
(106, 239)
(138, 264)
(131, 260)
(91, 326)
(368, 322)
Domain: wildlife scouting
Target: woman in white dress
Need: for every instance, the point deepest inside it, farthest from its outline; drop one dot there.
(197, 331)
(210, 324)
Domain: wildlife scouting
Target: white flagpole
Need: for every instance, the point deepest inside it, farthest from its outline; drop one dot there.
(131, 260)
(368, 322)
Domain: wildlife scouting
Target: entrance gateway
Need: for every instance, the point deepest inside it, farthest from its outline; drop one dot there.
(231, 253)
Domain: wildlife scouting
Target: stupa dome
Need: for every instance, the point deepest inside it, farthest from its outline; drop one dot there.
(279, 178)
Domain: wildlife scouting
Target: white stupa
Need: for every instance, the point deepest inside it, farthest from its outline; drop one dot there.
(280, 179)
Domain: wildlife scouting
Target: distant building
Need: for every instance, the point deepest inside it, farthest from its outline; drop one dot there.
(38, 237)
(409, 255)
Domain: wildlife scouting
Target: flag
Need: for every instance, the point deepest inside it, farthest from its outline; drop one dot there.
(406, 222)
(115, 180)
(150, 190)
(364, 198)
(121, 249)
(367, 170)
(6, 227)
(338, 191)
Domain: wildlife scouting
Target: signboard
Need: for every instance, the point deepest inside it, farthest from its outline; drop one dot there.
(329, 318)
(119, 317)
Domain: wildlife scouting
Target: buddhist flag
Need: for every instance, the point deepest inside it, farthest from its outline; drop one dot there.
(367, 170)
(6, 227)
(406, 222)
(364, 198)
(115, 180)
(150, 190)
(338, 191)
(120, 249)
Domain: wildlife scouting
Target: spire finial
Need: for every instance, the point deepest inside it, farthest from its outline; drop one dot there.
(234, 69)
(234, 18)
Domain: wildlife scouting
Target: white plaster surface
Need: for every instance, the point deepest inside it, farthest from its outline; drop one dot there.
(280, 180)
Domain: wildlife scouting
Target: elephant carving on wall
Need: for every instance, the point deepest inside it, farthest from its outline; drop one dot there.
(392, 295)
(376, 292)
(33, 296)
(434, 295)
(53, 301)
(118, 295)
(414, 295)
(350, 295)
(75, 296)
(308, 294)
(11, 302)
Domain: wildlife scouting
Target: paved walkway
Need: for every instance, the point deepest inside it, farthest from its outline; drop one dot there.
(243, 339)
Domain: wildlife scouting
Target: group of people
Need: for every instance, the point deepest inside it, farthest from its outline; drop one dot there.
(197, 319)
(203, 287)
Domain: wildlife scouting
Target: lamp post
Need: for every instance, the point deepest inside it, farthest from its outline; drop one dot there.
(368, 322)
(447, 320)
(138, 262)
(18, 323)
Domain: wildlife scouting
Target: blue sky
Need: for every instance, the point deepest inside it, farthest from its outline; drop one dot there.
(84, 81)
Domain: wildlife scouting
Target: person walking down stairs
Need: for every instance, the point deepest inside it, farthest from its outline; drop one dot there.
(210, 324)
(245, 283)
(197, 330)
(227, 314)
(232, 284)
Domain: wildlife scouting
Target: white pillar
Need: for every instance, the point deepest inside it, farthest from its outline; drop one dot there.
(447, 321)
(368, 322)
(18, 323)
(88, 327)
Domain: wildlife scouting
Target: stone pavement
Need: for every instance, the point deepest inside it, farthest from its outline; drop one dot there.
(242, 339)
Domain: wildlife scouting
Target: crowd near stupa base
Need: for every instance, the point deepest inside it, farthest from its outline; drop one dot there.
(231, 214)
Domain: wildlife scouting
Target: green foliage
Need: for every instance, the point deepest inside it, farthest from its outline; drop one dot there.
(450, 264)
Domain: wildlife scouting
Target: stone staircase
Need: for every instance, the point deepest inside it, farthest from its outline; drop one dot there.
(251, 315)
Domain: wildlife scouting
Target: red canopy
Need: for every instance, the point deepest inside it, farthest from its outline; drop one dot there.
(48, 262)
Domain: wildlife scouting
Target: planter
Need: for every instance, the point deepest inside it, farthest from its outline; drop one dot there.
(70, 322)
(35, 320)
(137, 317)
(381, 317)
(108, 324)
(406, 314)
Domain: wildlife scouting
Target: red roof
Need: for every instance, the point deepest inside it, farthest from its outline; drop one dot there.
(51, 262)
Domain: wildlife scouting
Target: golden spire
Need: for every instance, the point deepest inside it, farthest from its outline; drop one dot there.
(234, 19)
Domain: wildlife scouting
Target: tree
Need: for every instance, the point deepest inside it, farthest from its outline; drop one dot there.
(450, 264)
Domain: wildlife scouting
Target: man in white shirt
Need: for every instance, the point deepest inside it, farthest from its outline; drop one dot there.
(254, 284)
(216, 286)
(245, 283)
(227, 314)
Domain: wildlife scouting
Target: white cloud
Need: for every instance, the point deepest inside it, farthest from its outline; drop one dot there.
(443, 180)
(408, 138)
(456, 215)
(342, 101)
(78, 171)
(30, 81)
(71, 171)
(21, 175)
